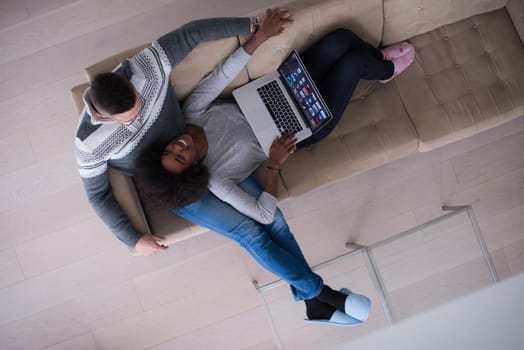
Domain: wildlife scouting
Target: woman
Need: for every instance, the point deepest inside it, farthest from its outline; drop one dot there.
(219, 151)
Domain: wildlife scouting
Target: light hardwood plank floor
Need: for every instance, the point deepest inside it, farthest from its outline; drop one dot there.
(67, 283)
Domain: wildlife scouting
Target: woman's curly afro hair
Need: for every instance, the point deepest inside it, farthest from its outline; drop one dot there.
(165, 188)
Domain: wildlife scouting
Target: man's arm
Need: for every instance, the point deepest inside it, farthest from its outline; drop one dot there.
(104, 204)
(178, 44)
(95, 178)
(100, 195)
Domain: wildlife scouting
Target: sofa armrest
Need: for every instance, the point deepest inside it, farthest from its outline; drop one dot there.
(148, 219)
(110, 63)
(515, 10)
(76, 96)
(125, 193)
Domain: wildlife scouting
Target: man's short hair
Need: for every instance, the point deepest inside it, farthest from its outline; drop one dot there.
(112, 94)
(165, 188)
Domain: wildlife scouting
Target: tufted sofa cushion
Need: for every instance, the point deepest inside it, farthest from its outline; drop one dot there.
(200, 62)
(370, 134)
(468, 77)
(374, 130)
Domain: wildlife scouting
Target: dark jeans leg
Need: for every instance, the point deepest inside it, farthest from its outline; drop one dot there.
(336, 63)
(326, 52)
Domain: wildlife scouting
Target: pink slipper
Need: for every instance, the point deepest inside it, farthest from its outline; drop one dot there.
(400, 64)
(397, 50)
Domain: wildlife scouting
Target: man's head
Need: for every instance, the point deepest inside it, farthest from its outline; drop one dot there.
(113, 97)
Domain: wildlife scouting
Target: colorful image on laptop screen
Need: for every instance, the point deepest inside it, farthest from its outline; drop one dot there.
(304, 91)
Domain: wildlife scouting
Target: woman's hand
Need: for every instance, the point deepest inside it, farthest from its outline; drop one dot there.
(280, 150)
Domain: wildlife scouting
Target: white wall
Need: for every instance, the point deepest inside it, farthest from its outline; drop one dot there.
(492, 318)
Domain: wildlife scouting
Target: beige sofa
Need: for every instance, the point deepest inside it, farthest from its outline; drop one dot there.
(468, 77)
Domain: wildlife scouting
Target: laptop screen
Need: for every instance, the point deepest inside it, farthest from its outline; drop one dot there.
(303, 89)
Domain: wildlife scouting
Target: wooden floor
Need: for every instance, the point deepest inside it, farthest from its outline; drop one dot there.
(67, 283)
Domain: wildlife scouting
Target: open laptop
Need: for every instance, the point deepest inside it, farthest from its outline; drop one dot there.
(283, 102)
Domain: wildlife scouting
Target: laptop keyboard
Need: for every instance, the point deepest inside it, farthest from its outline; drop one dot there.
(279, 108)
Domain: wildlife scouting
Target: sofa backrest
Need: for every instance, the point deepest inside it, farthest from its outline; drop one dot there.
(312, 20)
(189, 71)
(404, 19)
(515, 10)
(110, 63)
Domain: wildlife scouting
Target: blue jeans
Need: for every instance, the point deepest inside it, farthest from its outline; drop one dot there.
(272, 246)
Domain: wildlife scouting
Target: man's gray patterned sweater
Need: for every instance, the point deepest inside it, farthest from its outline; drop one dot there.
(102, 144)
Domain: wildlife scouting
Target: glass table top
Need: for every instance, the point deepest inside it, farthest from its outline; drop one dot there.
(404, 275)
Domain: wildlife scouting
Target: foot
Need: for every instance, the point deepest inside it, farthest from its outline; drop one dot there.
(319, 312)
(400, 64)
(354, 305)
(397, 50)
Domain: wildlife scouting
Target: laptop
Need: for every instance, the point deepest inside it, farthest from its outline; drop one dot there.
(285, 101)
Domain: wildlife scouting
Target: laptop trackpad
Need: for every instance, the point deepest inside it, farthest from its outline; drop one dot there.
(265, 138)
(260, 122)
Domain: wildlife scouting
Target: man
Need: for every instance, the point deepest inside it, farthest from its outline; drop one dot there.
(134, 106)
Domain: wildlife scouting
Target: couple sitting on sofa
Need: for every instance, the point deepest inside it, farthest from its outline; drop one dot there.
(219, 151)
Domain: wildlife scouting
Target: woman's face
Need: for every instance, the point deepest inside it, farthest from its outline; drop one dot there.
(179, 154)
(185, 150)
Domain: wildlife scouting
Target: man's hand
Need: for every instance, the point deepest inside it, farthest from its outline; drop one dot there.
(280, 150)
(272, 23)
(148, 245)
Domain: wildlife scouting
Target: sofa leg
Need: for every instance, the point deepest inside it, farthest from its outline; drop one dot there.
(353, 246)
(453, 207)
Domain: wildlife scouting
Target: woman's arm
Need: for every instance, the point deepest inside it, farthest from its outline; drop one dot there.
(261, 209)
(279, 152)
(208, 89)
